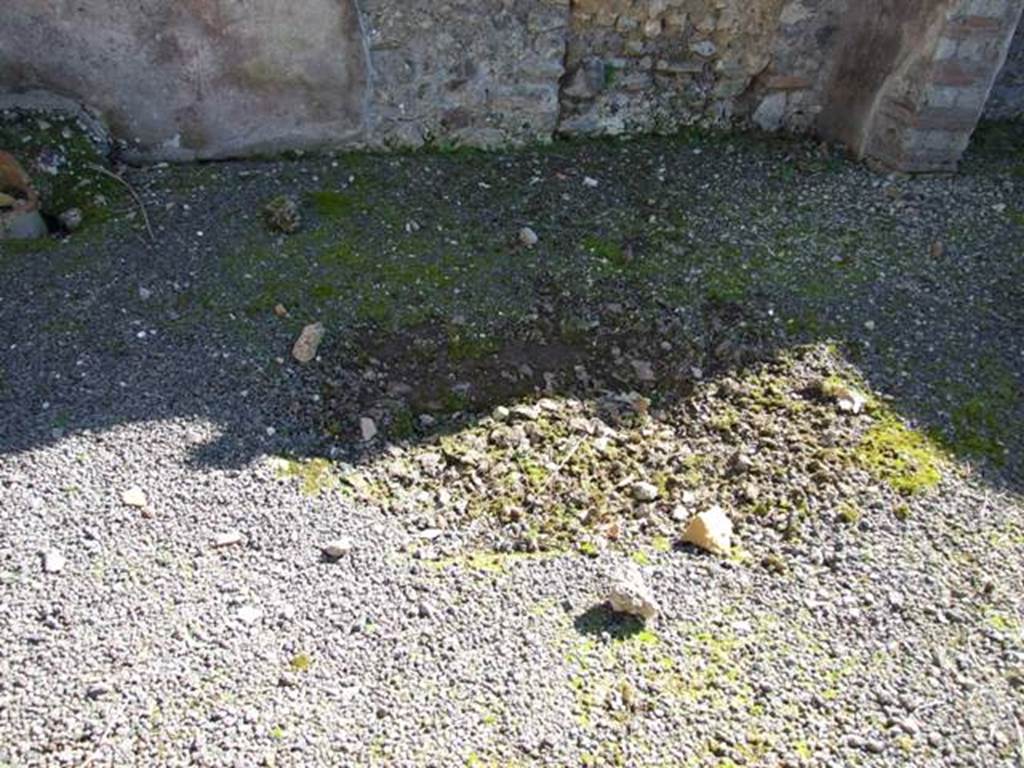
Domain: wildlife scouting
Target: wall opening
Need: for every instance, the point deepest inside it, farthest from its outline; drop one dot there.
(1006, 102)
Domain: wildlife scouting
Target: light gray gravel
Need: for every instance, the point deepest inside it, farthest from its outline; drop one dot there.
(890, 643)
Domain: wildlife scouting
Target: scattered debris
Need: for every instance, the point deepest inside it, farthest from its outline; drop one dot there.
(20, 218)
(643, 371)
(306, 345)
(282, 215)
(711, 531)
(627, 593)
(71, 219)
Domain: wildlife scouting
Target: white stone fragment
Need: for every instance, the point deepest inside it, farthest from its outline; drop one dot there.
(227, 539)
(710, 530)
(134, 497)
(53, 561)
(249, 614)
(627, 593)
(849, 400)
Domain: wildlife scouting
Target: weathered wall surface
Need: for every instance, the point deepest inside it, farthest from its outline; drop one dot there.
(186, 78)
(479, 72)
(217, 78)
(1007, 99)
(880, 69)
(659, 64)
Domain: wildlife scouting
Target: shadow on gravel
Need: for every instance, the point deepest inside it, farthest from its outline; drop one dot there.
(662, 263)
(601, 619)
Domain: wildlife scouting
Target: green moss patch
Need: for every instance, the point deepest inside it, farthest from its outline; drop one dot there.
(315, 476)
(905, 458)
(41, 141)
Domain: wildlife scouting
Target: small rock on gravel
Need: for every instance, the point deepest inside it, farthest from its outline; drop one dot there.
(367, 428)
(227, 539)
(249, 614)
(98, 690)
(71, 219)
(628, 593)
(643, 491)
(53, 561)
(134, 497)
(306, 345)
(711, 531)
(338, 548)
(528, 237)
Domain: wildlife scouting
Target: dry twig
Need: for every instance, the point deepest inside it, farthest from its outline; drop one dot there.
(134, 194)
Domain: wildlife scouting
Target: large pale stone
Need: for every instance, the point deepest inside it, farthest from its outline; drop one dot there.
(710, 530)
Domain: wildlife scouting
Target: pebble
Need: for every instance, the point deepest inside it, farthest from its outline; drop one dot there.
(528, 237)
(98, 690)
(227, 539)
(367, 428)
(338, 548)
(53, 561)
(249, 614)
(643, 491)
(134, 497)
(305, 348)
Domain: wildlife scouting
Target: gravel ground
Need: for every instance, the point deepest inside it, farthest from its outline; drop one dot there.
(713, 280)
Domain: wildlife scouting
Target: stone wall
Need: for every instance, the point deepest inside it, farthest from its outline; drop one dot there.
(220, 78)
(477, 72)
(1007, 99)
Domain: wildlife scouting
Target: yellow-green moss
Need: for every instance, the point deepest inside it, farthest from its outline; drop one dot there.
(315, 475)
(906, 459)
